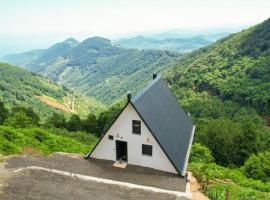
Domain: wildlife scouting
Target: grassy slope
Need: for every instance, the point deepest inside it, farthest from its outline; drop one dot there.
(237, 69)
(219, 179)
(14, 141)
(20, 87)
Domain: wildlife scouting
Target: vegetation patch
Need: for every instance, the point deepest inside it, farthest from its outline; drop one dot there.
(15, 141)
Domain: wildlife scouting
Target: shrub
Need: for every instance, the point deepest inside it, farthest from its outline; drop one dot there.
(19, 120)
(13, 141)
(258, 166)
(200, 153)
(3, 113)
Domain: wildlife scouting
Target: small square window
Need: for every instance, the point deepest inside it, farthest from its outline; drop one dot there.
(136, 127)
(110, 137)
(147, 150)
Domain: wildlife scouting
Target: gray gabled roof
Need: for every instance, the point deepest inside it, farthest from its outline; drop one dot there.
(168, 122)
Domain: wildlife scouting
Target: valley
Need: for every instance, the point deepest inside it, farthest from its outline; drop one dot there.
(23, 88)
(95, 67)
(79, 88)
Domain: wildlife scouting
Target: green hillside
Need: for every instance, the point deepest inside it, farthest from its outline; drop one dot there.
(20, 87)
(234, 68)
(95, 67)
(15, 141)
(226, 89)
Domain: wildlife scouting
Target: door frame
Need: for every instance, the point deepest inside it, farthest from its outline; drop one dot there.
(116, 152)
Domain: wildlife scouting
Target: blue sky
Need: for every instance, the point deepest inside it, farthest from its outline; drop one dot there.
(42, 22)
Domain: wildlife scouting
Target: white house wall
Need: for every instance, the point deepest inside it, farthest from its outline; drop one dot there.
(122, 130)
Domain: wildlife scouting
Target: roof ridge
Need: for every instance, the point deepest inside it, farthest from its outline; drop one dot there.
(146, 88)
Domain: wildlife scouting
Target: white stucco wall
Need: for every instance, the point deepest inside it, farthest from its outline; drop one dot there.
(122, 130)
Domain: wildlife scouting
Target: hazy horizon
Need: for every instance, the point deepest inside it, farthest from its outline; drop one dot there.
(31, 24)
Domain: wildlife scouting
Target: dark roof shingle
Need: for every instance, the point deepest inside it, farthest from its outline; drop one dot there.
(168, 122)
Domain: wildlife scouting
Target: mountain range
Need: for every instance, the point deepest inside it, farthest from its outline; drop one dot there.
(235, 67)
(180, 45)
(95, 67)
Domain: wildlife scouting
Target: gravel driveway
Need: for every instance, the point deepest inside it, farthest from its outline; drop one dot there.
(41, 185)
(38, 185)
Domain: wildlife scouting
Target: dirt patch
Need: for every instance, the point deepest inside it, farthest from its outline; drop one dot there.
(53, 103)
(31, 151)
(195, 189)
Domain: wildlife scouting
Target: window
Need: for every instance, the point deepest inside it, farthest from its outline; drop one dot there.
(147, 150)
(136, 127)
(110, 137)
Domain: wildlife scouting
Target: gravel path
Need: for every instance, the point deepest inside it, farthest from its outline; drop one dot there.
(42, 185)
(102, 169)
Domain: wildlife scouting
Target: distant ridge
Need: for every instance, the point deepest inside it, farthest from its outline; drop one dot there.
(95, 66)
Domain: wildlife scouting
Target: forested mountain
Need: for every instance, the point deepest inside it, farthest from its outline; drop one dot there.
(226, 89)
(20, 87)
(180, 45)
(95, 67)
(235, 68)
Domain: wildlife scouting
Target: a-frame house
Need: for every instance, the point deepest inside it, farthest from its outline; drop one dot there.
(152, 130)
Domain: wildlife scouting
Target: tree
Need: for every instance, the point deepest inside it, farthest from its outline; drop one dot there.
(19, 120)
(29, 112)
(258, 166)
(107, 117)
(57, 121)
(74, 123)
(200, 153)
(91, 124)
(222, 137)
(3, 113)
(230, 142)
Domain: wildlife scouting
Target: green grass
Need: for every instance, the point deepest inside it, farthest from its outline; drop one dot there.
(14, 141)
(216, 180)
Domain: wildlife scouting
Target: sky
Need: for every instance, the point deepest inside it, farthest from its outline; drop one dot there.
(27, 24)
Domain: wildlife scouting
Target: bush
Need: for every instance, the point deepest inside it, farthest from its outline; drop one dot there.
(3, 113)
(19, 120)
(200, 153)
(74, 123)
(91, 124)
(230, 142)
(218, 179)
(56, 120)
(13, 141)
(258, 166)
(29, 112)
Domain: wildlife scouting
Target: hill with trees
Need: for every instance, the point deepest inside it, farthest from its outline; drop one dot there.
(225, 88)
(20, 87)
(95, 67)
(234, 68)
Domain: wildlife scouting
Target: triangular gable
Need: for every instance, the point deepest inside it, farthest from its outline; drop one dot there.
(102, 136)
(157, 164)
